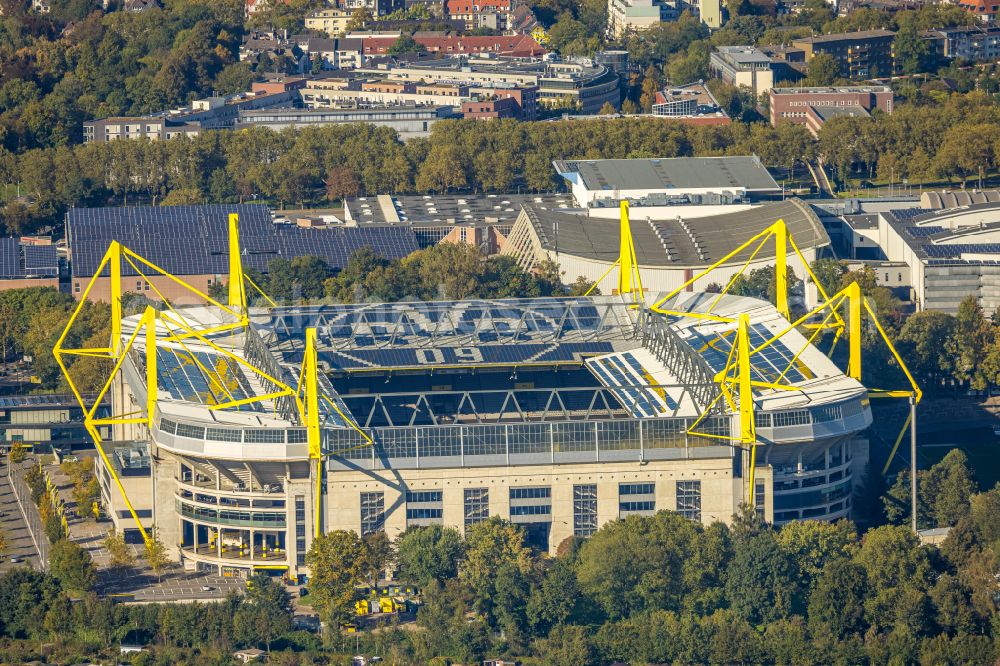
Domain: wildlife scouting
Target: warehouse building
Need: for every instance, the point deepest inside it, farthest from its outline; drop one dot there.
(597, 183)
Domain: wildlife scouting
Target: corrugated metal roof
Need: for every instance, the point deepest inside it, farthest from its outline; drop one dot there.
(671, 173)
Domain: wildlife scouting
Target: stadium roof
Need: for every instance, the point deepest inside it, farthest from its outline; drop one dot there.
(963, 235)
(464, 208)
(192, 240)
(675, 242)
(22, 260)
(671, 173)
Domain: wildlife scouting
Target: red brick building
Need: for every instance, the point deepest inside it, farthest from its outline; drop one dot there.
(813, 106)
(490, 109)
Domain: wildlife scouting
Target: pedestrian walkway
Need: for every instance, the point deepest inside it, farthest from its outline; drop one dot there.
(139, 583)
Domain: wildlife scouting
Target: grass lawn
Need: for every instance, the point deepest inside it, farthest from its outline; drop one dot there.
(979, 444)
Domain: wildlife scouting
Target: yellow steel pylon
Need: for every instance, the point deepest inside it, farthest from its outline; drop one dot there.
(629, 278)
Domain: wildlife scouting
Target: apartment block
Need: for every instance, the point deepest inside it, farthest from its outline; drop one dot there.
(861, 55)
(743, 66)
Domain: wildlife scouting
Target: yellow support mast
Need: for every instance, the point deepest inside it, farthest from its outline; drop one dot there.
(629, 280)
(237, 286)
(310, 384)
(748, 426)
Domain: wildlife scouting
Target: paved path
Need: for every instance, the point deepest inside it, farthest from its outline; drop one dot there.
(12, 522)
(137, 583)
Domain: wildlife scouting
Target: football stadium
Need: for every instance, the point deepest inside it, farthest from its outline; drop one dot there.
(240, 433)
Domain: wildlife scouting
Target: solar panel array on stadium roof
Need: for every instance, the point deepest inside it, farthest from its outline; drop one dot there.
(923, 232)
(408, 357)
(944, 251)
(202, 378)
(766, 365)
(629, 382)
(193, 240)
(409, 323)
(909, 213)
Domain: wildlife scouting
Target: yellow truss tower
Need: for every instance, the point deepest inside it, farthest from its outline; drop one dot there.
(629, 278)
(735, 380)
(178, 329)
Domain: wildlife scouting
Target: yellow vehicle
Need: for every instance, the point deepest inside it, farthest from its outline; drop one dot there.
(388, 605)
(362, 607)
(350, 628)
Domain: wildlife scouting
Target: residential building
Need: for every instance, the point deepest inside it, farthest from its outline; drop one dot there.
(814, 106)
(513, 46)
(580, 83)
(692, 104)
(744, 66)
(492, 14)
(138, 6)
(710, 13)
(976, 43)
(638, 15)
(861, 55)
(986, 11)
(409, 120)
(490, 108)
(333, 21)
(203, 114)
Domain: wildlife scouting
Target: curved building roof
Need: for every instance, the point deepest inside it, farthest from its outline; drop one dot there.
(675, 243)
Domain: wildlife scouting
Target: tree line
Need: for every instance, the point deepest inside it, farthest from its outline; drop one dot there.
(663, 589)
(642, 590)
(323, 165)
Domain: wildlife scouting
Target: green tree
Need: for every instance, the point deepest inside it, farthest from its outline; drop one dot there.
(815, 545)
(155, 554)
(360, 17)
(973, 335)
(566, 646)
(428, 554)
(762, 580)
(836, 603)
(923, 342)
(379, 555)
(489, 546)
(443, 170)
(949, 485)
(913, 53)
(70, 564)
(404, 44)
(121, 554)
(265, 614)
(336, 561)
(639, 563)
(823, 70)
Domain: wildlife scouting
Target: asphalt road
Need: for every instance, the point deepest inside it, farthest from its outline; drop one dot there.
(15, 531)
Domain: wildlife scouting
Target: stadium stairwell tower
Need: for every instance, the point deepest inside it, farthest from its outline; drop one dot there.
(243, 432)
